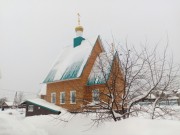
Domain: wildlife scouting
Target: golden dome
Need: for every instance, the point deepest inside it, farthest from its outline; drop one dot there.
(79, 28)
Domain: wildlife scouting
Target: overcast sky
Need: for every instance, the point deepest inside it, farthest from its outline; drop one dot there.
(32, 32)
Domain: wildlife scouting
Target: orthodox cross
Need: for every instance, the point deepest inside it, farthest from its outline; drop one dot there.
(78, 19)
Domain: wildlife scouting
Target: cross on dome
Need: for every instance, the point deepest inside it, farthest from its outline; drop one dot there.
(79, 28)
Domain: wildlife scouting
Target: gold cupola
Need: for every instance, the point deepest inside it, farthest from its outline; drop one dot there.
(79, 27)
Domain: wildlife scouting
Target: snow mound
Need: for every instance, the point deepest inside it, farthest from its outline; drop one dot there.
(10, 125)
(79, 124)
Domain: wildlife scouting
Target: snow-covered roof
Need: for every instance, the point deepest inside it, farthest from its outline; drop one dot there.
(43, 89)
(101, 69)
(173, 97)
(45, 104)
(71, 61)
(9, 103)
(151, 96)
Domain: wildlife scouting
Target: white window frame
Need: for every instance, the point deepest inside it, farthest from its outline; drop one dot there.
(94, 96)
(30, 108)
(53, 93)
(61, 93)
(73, 91)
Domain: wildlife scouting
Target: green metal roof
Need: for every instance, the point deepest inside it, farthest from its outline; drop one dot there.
(71, 61)
(78, 40)
(44, 104)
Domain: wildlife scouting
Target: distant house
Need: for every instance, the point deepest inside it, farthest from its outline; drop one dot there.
(7, 105)
(75, 78)
(41, 107)
(167, 98)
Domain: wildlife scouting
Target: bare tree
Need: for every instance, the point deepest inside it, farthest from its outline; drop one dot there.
(154, 74)
(2, 100)
(20, 97)
(131, 76)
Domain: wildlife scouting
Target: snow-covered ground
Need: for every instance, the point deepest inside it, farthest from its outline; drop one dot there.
(13, 122)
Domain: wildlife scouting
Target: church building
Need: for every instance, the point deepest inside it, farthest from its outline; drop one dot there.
(80, 74)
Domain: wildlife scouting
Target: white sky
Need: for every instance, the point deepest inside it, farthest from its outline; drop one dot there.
(32, 32)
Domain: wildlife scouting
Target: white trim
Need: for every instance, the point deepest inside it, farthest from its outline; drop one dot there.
(61, 97)
(71, 97)
(52, 96)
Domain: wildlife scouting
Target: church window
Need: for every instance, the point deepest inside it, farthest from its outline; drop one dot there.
(53, 97)
(72, 97)
(62, 97)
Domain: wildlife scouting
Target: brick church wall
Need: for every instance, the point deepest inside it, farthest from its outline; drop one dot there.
(79, 84)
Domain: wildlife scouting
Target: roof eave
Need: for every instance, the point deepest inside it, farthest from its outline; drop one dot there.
(56, 111)
(95, 84)
(62, 80)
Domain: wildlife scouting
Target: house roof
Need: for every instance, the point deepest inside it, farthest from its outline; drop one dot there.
(71, 62)
(45, 104)
(9, 103)
(101, 69)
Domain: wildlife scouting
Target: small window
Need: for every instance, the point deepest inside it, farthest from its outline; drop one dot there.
(62, 97)
(95, 96)
(39, 107)
(53, 97)
(72, 97)
(30, 108)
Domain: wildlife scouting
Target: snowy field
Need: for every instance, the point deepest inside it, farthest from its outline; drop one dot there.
(13, 122)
